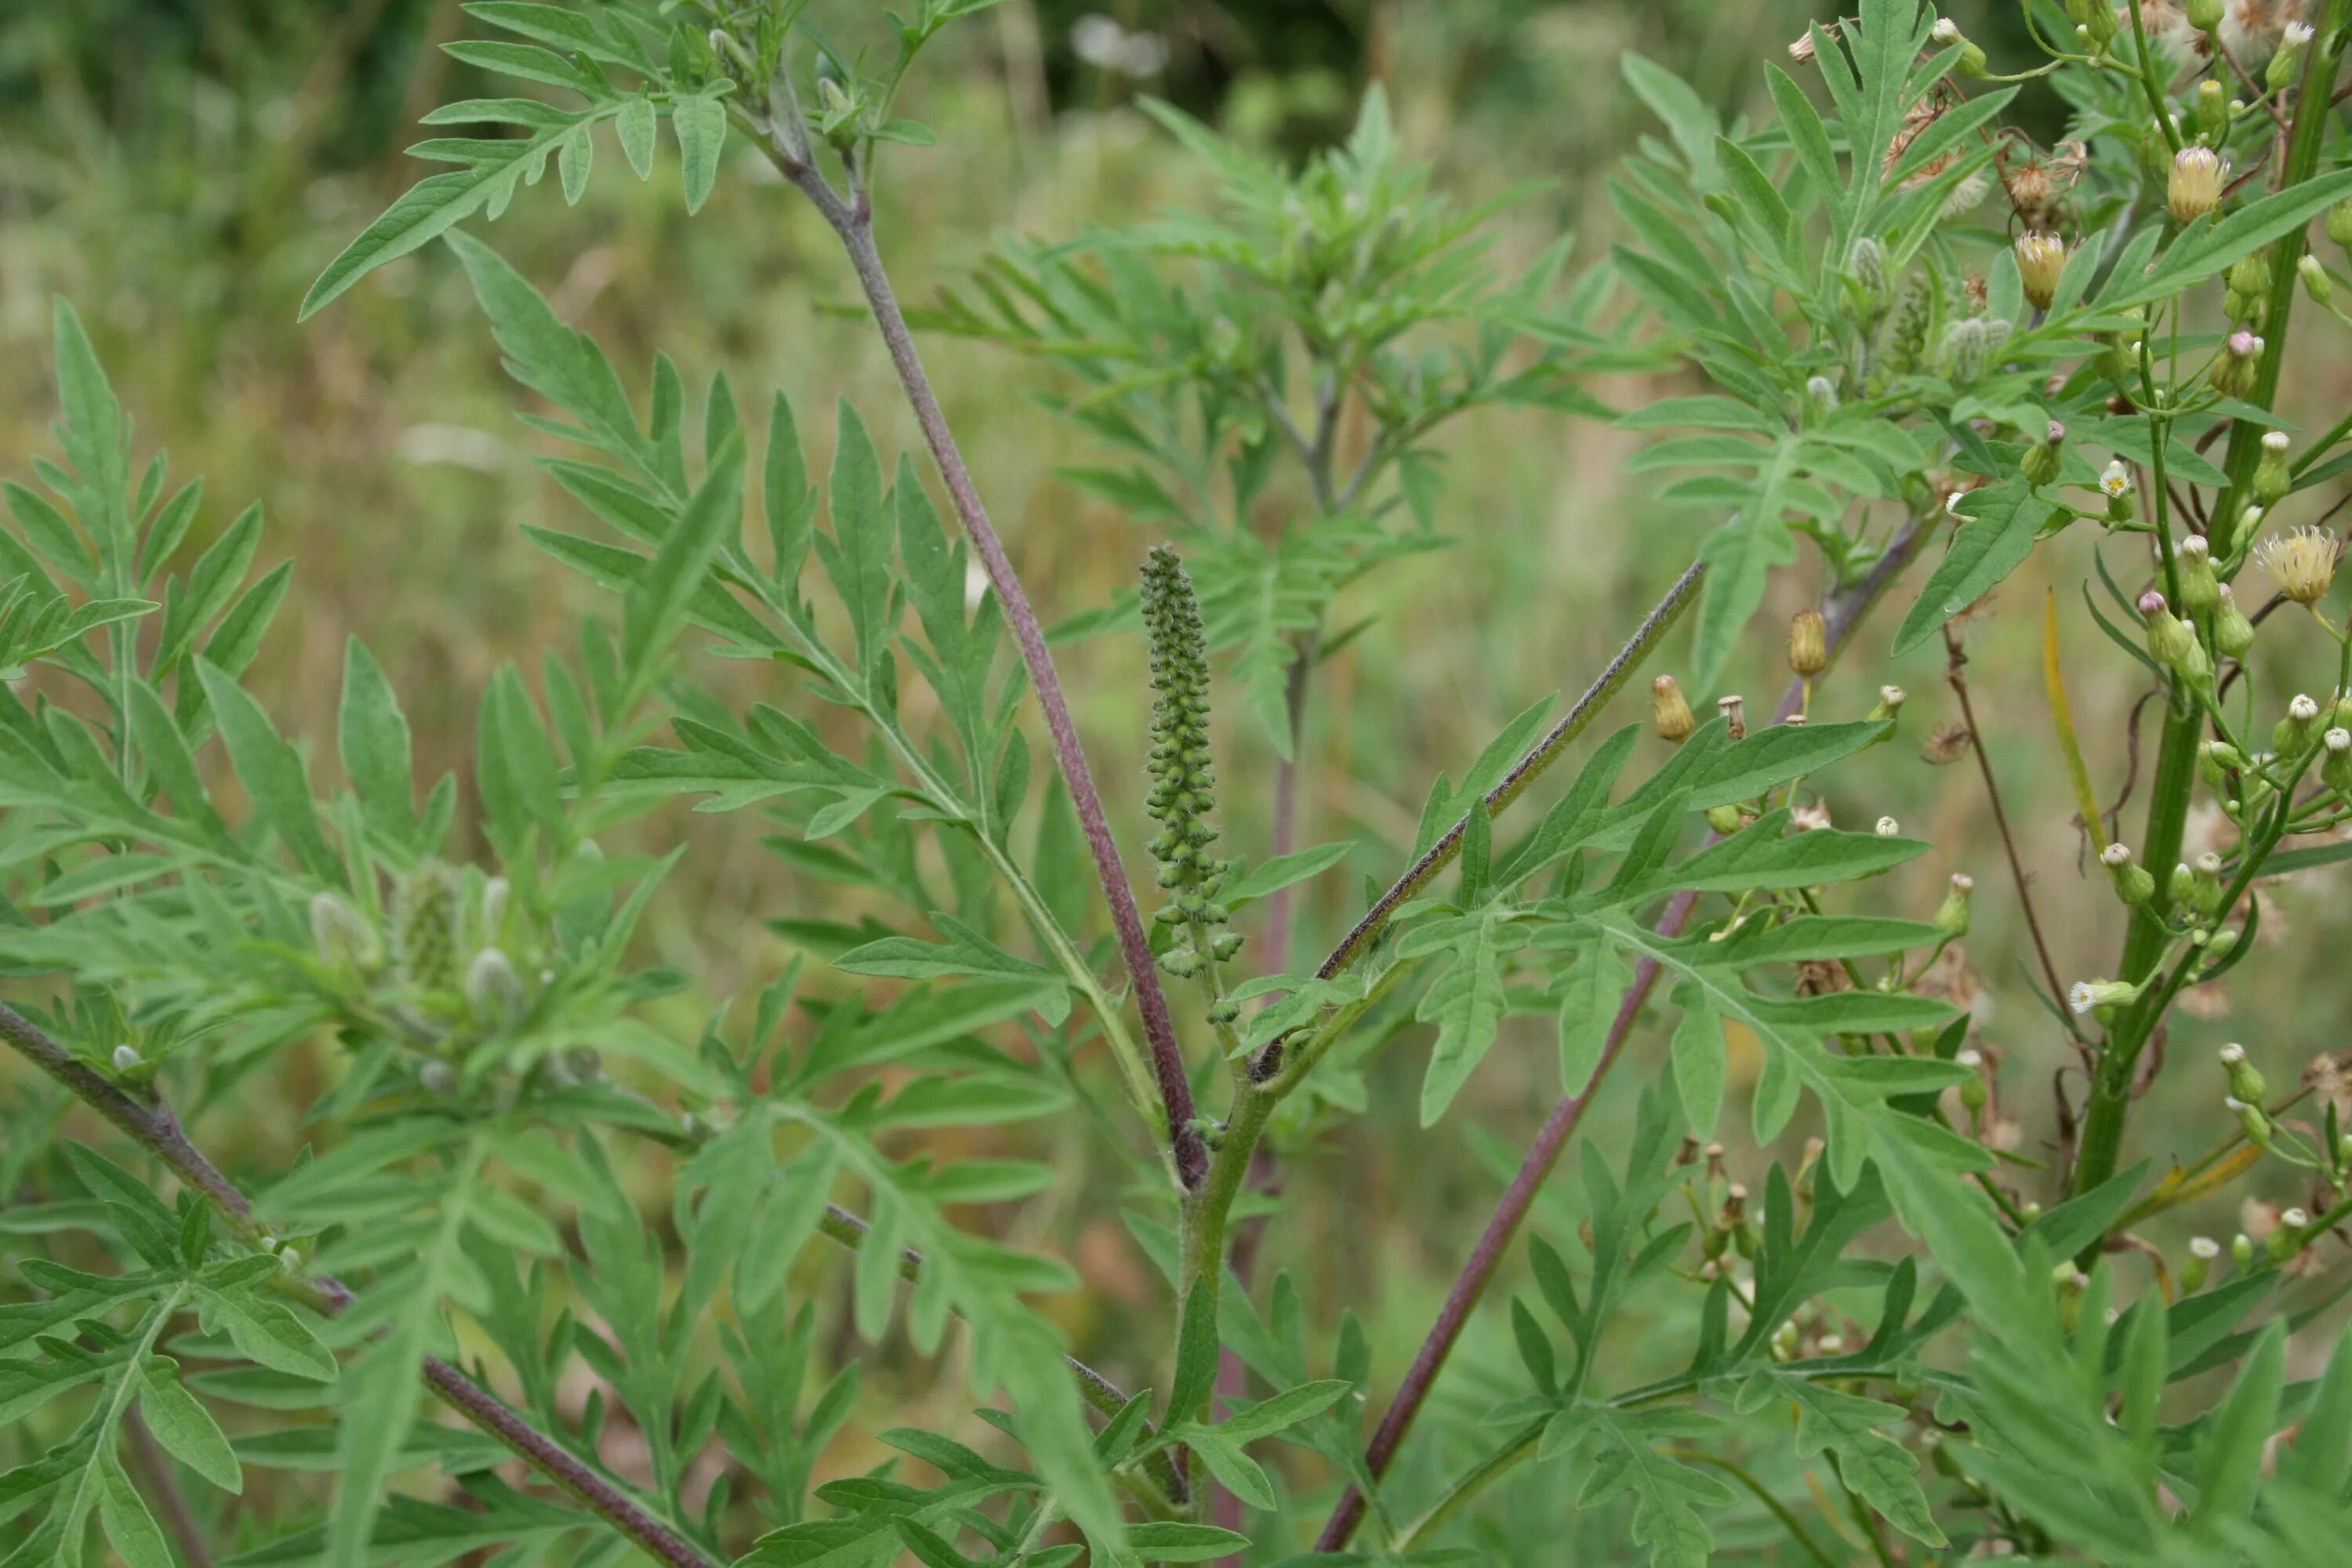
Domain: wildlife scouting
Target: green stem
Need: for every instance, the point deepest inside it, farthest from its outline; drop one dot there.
(2176, 768)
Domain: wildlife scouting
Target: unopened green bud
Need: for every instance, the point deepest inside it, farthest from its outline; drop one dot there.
(2204, 15)
(2222, 945)
(2316, 281)
(424, 916)
(1973, 1092)
(1180, 962)
(2180, 886)
(2173, 641)
(2199, 589)
(1225, 944)
(1890, 703)
(2249, 274)
(2335, 766)
(2295, 40)
(2202, 1251)
(2093, 19)
(2242, 1249)
(2240, 364)
(1952, 914)
(2213, 106)
(1946, 33)
(2134, 884)
(2272, 477)
(2042, 460)
(126, 1057)
(2339, 223)
(2205, 884)
(1866, 265)
(2252, 1120)
(2285, 1238)
(2296, 734)
(1724, 820)
(2232, 633)
(2245, 1082)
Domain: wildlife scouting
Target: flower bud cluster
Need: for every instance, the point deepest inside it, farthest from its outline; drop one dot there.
(1183, 784)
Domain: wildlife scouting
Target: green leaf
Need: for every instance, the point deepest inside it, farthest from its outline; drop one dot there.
(1739, 558)
(965, 952)
(1247, 886)
(1666, 1494)
(266, 1331)
(2003, 520)
(431, 206)
(657, 604)
(130, 1528)
(1879, 1470)
(634, 126)
(1235, 1470)
(186, 1429)
(1465, 1003)
(372, 735)
(857, 556)
(1698, 1052)
(1173, 1540)
(1285, 1410)
(1590, 993)
(271, 771)
(700, 123)
(2211, 245)
(515, 766)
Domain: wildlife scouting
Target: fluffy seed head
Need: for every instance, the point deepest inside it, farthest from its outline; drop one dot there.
(2194, 187)
(2303, 562)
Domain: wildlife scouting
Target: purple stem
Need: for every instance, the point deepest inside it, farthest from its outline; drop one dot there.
(1839, 617)
(152, 1124)
(854, 222)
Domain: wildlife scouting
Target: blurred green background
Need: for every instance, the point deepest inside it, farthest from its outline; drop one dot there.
(180, 169)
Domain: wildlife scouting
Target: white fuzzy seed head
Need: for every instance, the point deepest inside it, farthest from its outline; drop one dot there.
(126, 1056)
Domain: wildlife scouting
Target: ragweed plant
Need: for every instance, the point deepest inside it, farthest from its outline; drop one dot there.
(1872, 1329)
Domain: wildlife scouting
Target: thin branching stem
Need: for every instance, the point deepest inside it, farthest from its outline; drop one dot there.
(1843, 611)
(853, 221)
(151, 1123)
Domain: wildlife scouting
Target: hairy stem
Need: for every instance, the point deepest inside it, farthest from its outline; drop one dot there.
(151, 1123)
(1417, 876)
(2101, 1148)
(852, 222)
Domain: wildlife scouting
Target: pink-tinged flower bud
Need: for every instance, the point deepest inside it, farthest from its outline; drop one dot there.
(2233, 374)
(2172, 640)
(2194, 188)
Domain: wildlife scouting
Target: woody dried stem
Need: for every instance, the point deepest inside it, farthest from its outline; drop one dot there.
(152, 1124)
(852, 220)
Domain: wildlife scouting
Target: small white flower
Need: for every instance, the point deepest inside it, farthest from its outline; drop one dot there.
(1892, 696)
(1963, 883)
(2296, 35)
(1971, 1059)
(1888, 827)
(2232, 1055)
(2204, 1246)
(2303, 709)
(1945, 32)
(2295, 1219)
(2338, 741)
(2079, 997)
(2114, 480)
(2231, 1103)
(2275, 443)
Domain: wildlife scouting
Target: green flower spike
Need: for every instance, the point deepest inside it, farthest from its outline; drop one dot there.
(1183, 784)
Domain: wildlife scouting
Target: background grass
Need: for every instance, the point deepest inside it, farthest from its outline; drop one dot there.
(181, 171)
